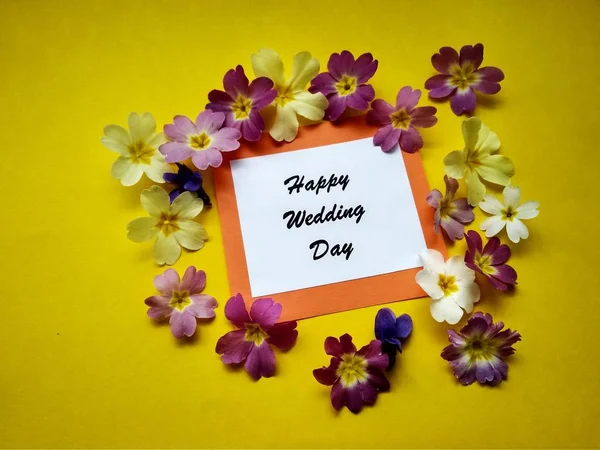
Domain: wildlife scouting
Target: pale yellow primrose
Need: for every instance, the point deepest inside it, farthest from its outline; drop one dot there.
(292, 97)
(171, 224)
(478, 159)
(138, 150)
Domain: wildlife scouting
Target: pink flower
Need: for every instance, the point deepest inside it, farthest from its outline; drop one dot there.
(241, 102)
(257, 331)
(450, 213)
(356, 377)
(181, 300)
(344, 84)
(490, 260)
(400, 122)
(203, 141)
(461, 77)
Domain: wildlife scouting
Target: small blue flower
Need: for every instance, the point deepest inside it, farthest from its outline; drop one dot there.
(389, 330)
(187, 180)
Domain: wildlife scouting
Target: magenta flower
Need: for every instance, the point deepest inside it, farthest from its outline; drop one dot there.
(181, 300)
(257, 331)
(400, 122)
(461, 77)
(344, 84)
(450, 213)
(478, 351)
(356, 376)
(490, 260)
(241, 102)
(203, 141)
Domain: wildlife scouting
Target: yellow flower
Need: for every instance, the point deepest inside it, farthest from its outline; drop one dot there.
(171, 224)
(478, 159)
(138, 149)
(292, 97)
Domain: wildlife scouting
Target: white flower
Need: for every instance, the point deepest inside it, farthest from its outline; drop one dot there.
(509, 214)
(451, 286)
(138, 149)
(171, 223)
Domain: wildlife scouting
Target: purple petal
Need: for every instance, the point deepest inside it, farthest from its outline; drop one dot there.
(233, 347)
(337, 105)
(265, 312)
(446, 57)
(490, 74)
(283, 335)
(167, 282)
(506, 274)
(260, 361)
(407, 98)
(340, 64)
(486, 87)
(184, 125)
(159, 307)
(182, 324)
(378, 379)
(423, 117)
(209, 122)
(354, 400)
(439, 86)
(327, 375)
(250, 131)
(501, 255)
(235, 311)
(372, 353)
(404, 326)
(491, 371)
(385, 324)
(474, 242)
(338, 396)
(347, 344)
(259, 87)
(226, 139)
(219, 101)
(463, 101)
(361, 98)
(497, 284)
(451, 187)
(175, 151)
(203, 306)
(454, 229)
(193, 281)
(410, 140)
(434, 198)
(365, 67)
(173, 132)
(472, 54)
(462, 211)
(204, 158)
(380, 113)
(491, 246)
(323, 83)
(235, 82)
(369, 393)
(387, 137)
(333, 347)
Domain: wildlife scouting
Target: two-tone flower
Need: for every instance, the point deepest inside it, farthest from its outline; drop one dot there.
(490, 261)
(450, 213)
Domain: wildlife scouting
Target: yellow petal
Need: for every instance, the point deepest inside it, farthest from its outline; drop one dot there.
(130, 176)
(191, 235)
(487, 141)
(166, 250)
(142, 229)
(120, 167)
(157, 168)
(496, 169)
(470, 131)
(116, 138)
(305, 69)
(476, 189)
(454, 164)
(157, 140)
(311, 106)
(141, 127)
(285, 126)
(155, 201)
(267, 63)
(186, 206)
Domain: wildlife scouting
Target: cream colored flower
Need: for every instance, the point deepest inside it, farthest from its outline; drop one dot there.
(171, 224)
(138, 149)
(292, 97)
(478, 159)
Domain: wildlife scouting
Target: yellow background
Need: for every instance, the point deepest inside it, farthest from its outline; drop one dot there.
(82, 365)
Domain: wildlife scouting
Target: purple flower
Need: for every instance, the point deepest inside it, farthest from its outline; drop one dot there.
(344, 84)
(461, 77)
(257, 331)
(241, 101)
(356, 377)
(478, 351)
(450, 213)
(490, 261)
(400, 122)
(203, 140)
(187, 180)
(390, 330)
(181, 300)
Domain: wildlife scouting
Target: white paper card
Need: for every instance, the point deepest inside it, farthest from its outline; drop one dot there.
(360, 218)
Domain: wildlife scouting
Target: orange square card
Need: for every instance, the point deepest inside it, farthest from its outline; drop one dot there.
(325, 223)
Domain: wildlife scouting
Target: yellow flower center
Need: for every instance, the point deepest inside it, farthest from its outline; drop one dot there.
(509, 213)
(140, 152)
(346, 86)
(284, 96)
(180, 300)
(479, 349)
(167, 224)
(463, 76)
(200, 141)
(254, 333)
(400, 119)
(484, 262)
(447, 284)
(352, 369)
(241, 107)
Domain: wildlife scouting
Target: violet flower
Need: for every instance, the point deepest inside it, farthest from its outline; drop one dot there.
(356, 377)
(400, 123)
(460, 76)
(490, 260)
(241, 102)
(450, 213)
(187, 180)
(478, 351)
(250, 344)
(344, 84)
(390, 330)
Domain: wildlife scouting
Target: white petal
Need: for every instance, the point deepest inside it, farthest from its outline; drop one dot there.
(311, 106)
(512, 196)
(155, 201)
(187, 206)
(132, 175)
(487, 141)
(157, 168)
(429, 283)
(528, 210)
(191, 235)
(491, 205)
(467, 294)
(493, 225)
(166, 250)
(285, 126)
(516, 230)
(446, 309)
(142, 229)
(267, 63)
(305, 68)
(433, 261)
(456, 266)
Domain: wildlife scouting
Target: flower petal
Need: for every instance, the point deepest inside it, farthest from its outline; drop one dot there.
(186, 206)
(432, 261)
(142, 229)
(323, 83)
(333, 347)
(116, 138)
(454, 164)
(385, 324)
(411, 140)
(528, 210)
(407, 98)
(516, 230)
(445, 310)
(429, 283)
(260, 361)
(121, 166)
(131, 175)
(155, 201)
(182, 324)
(476, 189)
(267, 63)
(191, 235)
(354, 401)
(285, 126)
(462, 212)
(326, 375)
(472, 54)
(512, 196)
(506, 274)
(235, 311)
(491, 205)
(361, 98)
(474, 242)
(463, 100)
(365, 67)
(233, 348)
(311, 106)
(453, 228)
(167, 282)
(380, 113)
(487, 140)
(443, 60)
(203, 306)
(404, 326)
(283, 335)
(434, 198)
(497, 169)
(468, 293)
(490, 74)
(423, 117)
(337, 106)
(387, 138)
(176, 151)
(470, 131)
(157, 168)
(492, 226)
(305, 68)
(439, 86)
(166, 250)
(456, 266)
(338, 396)
(141, 127)
(265, 312)
(193, 280)
(209, 122)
